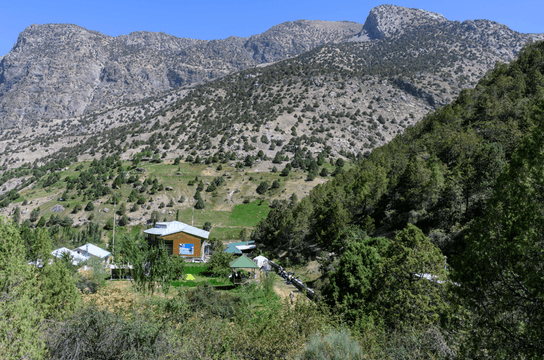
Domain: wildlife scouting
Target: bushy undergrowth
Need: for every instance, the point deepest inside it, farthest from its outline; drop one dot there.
(196, 323)
(333, 345)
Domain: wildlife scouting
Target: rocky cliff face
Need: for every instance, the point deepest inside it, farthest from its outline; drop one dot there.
(391, 22)
(61, 71)
(388, 21)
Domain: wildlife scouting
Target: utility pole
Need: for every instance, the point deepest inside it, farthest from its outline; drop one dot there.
(113, 240)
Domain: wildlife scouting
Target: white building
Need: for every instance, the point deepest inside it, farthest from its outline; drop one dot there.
(74, 256)
(90, 250)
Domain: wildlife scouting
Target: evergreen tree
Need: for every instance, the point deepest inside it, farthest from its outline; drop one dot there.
(60, 295)
(122, 210)
(89, 206)
(109, 224)
(212, 187)
(262, 188)
(154, 217)
(77, 208)
(200, 204)
(501, 269)
(20, 335)
(123, 221)
(41, 222)
(17, 215)
(43, 246)
(34, 214)
(411, 287)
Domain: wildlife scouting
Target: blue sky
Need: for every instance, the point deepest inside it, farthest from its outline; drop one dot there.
(220, 19)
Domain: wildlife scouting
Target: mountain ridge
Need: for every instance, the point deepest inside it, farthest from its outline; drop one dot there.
(58, 71)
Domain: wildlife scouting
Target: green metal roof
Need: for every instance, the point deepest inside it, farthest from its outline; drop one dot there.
(232, 249)
(243, 262)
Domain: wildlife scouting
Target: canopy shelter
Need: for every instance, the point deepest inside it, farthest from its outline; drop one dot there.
(242, 263)
(260, 260)
(266, 267)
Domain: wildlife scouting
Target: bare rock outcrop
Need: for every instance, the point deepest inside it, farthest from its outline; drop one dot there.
(64, 70)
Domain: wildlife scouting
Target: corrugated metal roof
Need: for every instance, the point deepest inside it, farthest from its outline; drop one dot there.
(93, 250)
(76, 258)
(172, 227)
(243, 262)
(236, 248)
(232, 249)
(250, 242)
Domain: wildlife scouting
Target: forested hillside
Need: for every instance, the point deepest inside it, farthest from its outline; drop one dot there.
(438, 174)
(467, 179)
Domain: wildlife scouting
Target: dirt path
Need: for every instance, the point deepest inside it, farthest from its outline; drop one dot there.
(283, 290)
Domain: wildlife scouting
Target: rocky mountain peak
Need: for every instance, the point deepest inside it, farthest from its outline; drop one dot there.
(36, 37)
(391, 20)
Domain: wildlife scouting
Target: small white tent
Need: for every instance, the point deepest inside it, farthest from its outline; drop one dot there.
(260, 260)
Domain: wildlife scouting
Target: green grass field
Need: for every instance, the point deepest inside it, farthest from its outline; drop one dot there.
(226, 233)
(196, 271)
(249, 214)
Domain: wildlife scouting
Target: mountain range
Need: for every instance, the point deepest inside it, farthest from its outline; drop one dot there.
(348, 86)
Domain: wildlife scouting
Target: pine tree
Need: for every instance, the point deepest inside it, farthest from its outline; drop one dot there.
(60, 295)
(200, 204)
(501, 269)
(17, 215)
(109, 224)
(262, 188)
(41, 222)
(42, 246)
(89, 206)
(19, 316)
(123, 221)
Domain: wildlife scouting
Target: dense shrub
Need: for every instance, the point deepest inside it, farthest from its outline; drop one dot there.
(333, 345)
